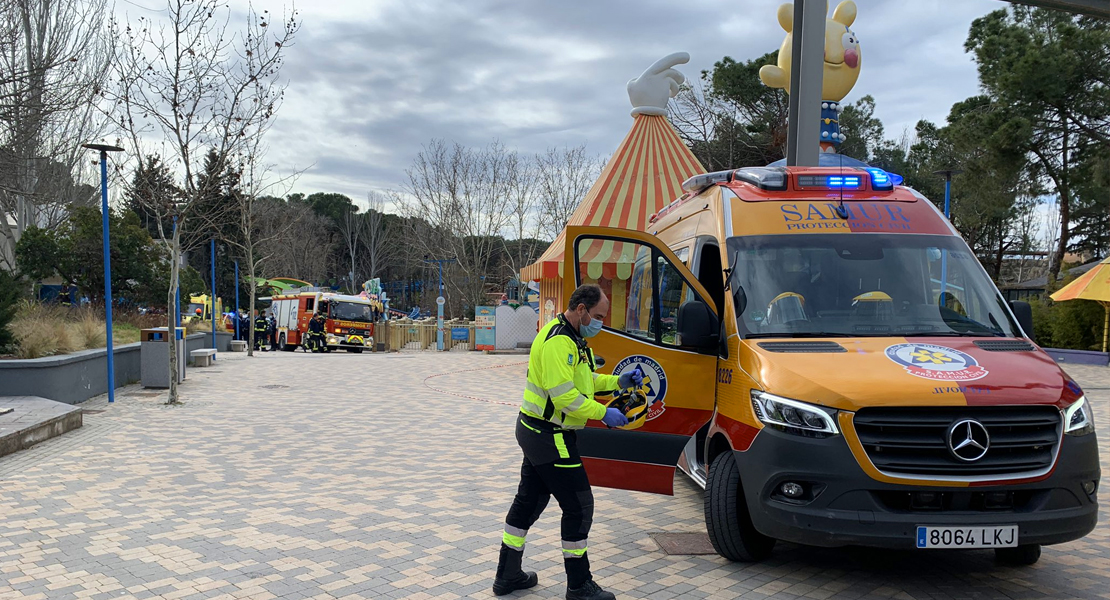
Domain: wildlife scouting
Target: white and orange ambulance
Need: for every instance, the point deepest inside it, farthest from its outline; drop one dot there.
(827, 358)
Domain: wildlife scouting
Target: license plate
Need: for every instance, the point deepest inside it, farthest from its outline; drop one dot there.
(972, 536)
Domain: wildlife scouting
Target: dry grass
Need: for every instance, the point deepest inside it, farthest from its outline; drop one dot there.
(195, 326)
(42, 331)
(88, 328)
(49, 330)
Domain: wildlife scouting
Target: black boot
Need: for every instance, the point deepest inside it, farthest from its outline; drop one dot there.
(510, 577)
(589, 591)
(580, 584)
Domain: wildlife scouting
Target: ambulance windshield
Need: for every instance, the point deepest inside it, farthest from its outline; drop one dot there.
(350, 311)
(850, 285)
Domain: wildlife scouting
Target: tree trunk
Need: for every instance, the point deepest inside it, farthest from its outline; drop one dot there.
(249, 251)
(999, 254)
(175, 262)
(1064, 190)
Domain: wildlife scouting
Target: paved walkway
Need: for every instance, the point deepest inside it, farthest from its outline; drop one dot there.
(348, 476)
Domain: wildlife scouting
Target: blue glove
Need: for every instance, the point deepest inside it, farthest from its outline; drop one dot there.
(614, 418)
(631, 379)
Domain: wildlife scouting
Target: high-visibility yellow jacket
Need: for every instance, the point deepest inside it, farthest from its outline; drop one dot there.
(561, 379)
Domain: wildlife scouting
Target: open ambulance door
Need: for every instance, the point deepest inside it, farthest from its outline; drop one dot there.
(662, 321)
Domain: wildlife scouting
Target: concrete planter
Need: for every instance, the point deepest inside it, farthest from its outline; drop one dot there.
(1079, 357)
(69, 378)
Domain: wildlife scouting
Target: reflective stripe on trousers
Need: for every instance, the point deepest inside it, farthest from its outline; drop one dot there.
(574, 549)
(513, 537)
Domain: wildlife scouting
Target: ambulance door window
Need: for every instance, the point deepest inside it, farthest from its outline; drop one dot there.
(639, 304)
(671, 287)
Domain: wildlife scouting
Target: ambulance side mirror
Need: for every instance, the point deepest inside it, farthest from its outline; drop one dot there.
(1024, 314)
(697, 328)
(739, 300)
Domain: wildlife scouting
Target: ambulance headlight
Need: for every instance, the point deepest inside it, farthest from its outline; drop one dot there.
(792, 416)
(1078, 419)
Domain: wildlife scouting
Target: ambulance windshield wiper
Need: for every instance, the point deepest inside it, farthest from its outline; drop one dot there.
(798, 334)
(950, 334)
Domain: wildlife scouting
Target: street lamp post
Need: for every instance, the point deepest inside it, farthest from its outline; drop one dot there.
(440, 301)
(212, 300)
(236, 299)
(947, 175)
(104, 149)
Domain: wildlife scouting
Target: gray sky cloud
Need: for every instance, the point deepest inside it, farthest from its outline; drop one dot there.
(370, 81)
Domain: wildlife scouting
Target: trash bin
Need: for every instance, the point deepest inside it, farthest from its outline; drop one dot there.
(154, 356)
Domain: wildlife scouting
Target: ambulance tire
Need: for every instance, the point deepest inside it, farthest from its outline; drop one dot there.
(284, 345)
(726, 514)
(354, 350)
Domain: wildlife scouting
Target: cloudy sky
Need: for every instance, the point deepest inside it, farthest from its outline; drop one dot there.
(372, 80)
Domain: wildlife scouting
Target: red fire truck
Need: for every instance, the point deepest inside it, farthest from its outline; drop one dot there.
(349, 324)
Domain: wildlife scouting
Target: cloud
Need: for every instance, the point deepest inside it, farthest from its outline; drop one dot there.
(369, 82)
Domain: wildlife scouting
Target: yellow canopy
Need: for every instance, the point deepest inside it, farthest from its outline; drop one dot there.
(1092, 285)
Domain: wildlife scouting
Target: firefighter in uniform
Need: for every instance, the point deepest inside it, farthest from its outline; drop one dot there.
(66, 297)
(260, 327)
(559, 399)
(316, 326)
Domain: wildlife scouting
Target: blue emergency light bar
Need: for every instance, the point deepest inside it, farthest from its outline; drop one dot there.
(829, 181)
(880, 179)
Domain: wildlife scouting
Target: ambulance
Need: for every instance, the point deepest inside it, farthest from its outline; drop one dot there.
(826, 357)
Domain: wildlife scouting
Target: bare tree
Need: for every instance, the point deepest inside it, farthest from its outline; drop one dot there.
(376, 238)
(54, 55)
(460, 193)
(204, 92)
(352, 231)
(522, 202)
(564, 176)
(291, 251)
(249, 236)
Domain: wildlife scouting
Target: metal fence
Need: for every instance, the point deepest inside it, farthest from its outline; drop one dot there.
(406, 335)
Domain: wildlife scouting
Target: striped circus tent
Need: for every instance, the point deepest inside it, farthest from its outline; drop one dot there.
(644, 175)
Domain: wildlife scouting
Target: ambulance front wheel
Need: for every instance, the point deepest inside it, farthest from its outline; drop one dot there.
(726, 514)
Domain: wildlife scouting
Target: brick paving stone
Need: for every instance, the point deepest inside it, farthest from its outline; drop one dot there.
(388, 476)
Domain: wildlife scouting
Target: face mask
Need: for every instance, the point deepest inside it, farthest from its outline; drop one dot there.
(589, 330)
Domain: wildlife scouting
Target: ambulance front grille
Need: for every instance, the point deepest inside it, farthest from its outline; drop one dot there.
(908, 441)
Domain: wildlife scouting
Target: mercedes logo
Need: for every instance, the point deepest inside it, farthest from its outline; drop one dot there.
(968, 440)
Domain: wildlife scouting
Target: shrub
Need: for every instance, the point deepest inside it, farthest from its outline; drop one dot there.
(1075, 324)
(9, 299)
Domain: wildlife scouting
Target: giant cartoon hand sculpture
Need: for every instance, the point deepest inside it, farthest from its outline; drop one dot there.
(842, 53)
(650, 91)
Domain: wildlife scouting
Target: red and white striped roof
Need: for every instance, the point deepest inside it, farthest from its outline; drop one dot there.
(644, 175)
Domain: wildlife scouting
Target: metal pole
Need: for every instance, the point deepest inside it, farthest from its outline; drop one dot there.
(1105, 326)
(212, 300)
(948, 195)
(806, 78)
(236, 299)
(107, 275)
(795, 77)
(439, 311)
(177, 292)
